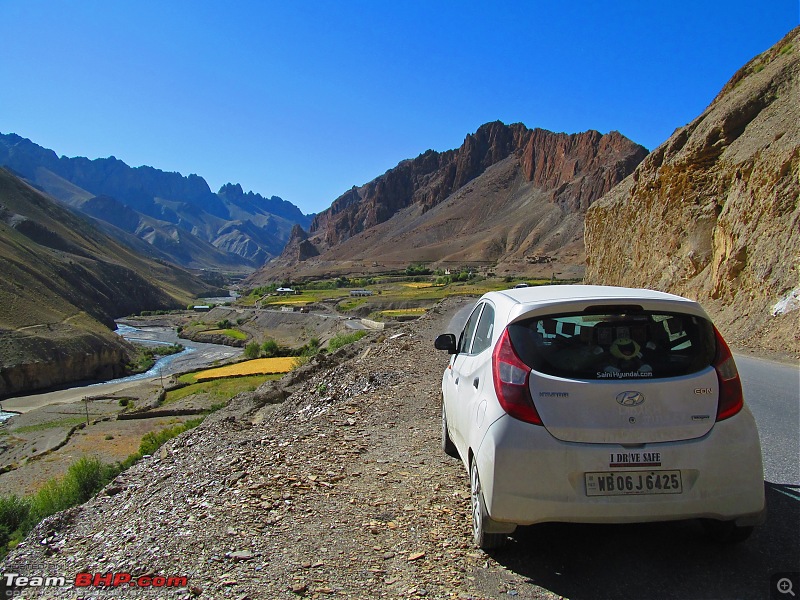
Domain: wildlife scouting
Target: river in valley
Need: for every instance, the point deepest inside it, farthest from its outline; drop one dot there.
(196, 355)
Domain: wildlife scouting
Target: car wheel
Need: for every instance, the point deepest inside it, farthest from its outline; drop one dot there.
(448, 446)
(480, 517)
(726, 532)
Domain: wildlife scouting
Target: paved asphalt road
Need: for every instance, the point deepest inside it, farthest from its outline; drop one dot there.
(772, 390)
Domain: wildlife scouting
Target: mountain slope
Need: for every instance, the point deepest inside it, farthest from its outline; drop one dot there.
(165, 209)
(156, 238)
(509, 196)
(62, 283)
(714, 212)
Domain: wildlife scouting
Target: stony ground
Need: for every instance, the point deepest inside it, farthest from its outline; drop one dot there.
(341, 490)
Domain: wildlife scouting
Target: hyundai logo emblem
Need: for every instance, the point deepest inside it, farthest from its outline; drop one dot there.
(630, 398)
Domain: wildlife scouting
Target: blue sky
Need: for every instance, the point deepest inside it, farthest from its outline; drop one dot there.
(303, 100)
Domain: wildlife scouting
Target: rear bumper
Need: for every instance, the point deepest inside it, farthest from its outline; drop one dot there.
(528, 476)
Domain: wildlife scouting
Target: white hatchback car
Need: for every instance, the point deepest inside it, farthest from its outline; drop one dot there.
(594, 404)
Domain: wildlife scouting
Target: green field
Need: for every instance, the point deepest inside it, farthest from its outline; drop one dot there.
(231, 333)
(389, 290)
(64, 423)
(218, 389)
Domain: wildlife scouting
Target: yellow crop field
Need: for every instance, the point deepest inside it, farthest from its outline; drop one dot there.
(395, 312)
(419, 285)
(258, 366)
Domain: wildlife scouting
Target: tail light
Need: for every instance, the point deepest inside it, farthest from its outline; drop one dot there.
(731, 398)
(511, 382)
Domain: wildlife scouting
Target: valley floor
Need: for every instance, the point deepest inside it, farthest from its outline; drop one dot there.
(341, 489)
(331, 483)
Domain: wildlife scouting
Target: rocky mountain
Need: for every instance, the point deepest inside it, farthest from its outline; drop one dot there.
(714, 212)
(180, 217)
(156, 238)
(62, 282)
(510, 197)
(298, 248)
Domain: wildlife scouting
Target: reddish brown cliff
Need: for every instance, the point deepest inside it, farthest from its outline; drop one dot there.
(576, 169)
(714, 212)
(510, 198)
(298, 249)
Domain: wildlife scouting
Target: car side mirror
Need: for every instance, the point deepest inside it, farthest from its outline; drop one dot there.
(446, 341)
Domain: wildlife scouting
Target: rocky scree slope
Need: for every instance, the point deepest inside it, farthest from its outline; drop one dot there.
(329, 482)
(714, 212)
(508, 193)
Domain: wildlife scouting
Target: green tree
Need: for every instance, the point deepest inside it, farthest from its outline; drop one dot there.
(252, 350)
(270, 348)
(413, 270)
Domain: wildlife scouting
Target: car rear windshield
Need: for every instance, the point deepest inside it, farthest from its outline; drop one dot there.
(615, 343)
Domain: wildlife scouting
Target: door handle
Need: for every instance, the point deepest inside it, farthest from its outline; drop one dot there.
(456, 380)
(475, 382)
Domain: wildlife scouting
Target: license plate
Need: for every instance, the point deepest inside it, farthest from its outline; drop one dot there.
(632, 483)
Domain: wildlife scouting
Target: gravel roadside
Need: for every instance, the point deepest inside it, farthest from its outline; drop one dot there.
(339, 490)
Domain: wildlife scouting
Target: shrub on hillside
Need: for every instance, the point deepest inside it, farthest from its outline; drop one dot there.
(13, 512)
(252, 350)
(86, 477)
(343, 339)
(270, 348)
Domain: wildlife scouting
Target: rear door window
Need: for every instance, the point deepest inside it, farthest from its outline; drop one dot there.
(465, 341)
(484, 330)
(616, 343)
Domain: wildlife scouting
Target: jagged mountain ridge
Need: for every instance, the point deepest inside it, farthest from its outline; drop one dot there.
(155, 238)
(62, 282)
(714, 212)
(509, 196)
(180, 216)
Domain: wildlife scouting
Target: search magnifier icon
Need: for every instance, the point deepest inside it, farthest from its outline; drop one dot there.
(785, 586)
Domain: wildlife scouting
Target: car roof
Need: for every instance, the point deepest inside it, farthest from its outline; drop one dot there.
(543, 298)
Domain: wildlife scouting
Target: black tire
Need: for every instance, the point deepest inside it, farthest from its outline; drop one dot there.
(726, 532)
(480, 517)
(448, 446)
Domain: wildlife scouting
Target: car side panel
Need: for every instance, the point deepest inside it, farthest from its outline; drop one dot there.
(472, 398)
(450, 399)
